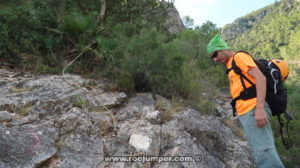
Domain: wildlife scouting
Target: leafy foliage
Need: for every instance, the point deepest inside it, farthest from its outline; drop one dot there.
(188, 22)
(129, 45)
(166, 64)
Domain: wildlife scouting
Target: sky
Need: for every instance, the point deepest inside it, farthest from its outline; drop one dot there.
(220, 12)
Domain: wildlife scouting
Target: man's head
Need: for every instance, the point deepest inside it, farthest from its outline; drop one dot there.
(222, 56)
(218, 49)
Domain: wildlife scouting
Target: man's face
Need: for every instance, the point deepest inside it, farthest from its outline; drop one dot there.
(219, 56)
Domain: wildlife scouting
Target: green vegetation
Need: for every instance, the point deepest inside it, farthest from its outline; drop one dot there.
(78, 101)
(278, 36)
(125, 42)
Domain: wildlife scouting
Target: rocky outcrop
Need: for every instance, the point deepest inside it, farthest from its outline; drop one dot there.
(173, 20)
(45, 122)
(287, 5)
(242, 25)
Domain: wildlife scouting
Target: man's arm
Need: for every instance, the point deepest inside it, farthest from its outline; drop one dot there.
(260, 79)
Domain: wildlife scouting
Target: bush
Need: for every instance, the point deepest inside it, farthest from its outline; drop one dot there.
(147, 56)
(153, 60)
(129, 47)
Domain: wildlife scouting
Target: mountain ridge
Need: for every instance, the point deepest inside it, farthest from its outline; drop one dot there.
(245, 23)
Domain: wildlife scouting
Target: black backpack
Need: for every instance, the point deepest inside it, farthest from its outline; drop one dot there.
(276, 95)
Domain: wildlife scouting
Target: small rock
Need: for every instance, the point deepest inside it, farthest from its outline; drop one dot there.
(111, 99)
(140, 142)
(5, 116)
(154, 117)
(102, 121)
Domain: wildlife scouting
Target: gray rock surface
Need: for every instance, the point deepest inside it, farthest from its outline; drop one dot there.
(173, 21)
(28, 145)
(5, 116)
(242, 24)
(45, 122)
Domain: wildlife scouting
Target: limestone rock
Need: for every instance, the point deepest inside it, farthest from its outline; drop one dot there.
(111, 99)
(140, 142)
(173, 21)
(242, 25)
(26, 146)
(5, 116)
(46, 122)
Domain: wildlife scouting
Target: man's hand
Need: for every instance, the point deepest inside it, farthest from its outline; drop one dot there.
(260, 117)
(260, 114)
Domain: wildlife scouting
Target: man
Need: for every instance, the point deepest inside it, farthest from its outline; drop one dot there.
(253, 114)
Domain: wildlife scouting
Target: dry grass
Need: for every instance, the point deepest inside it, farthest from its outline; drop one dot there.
(24, 111)
(234, 126)
(18, 90)
(59, 144)
(169, 109)
(20, 110)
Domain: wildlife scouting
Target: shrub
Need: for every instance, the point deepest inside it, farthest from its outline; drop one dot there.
(78, 101)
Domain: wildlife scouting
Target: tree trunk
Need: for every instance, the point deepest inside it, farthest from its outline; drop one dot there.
(103, 10)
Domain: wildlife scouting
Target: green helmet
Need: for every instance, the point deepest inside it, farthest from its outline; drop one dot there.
(215, 44)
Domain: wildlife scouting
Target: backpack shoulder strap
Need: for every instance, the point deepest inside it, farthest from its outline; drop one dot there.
(234, 67)
(248, 92)
(238, 71)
